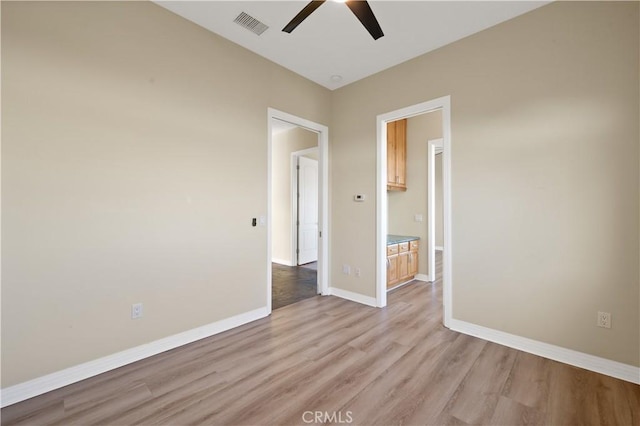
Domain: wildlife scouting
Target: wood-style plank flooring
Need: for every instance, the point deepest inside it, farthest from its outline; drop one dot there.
(348, 362)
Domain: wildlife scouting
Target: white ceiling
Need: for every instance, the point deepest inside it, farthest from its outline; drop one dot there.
(331, 41)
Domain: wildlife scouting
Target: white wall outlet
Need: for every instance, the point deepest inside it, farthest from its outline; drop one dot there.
(357, 272)
(346, 269)
(262, 220)
(604, 319)
(136, 311)
(417, 217)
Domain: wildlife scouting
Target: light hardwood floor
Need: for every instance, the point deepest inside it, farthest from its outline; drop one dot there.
(389, 366)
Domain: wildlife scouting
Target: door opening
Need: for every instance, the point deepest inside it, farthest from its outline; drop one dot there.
(443, 104)
(297, 229)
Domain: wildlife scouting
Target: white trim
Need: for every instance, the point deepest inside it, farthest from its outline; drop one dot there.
(282, 262)
(439, 248)
(589, 362)
(323, 189)
(444, 104)
(423, 277)
(40, 385)
(354, 297)
(433, 146)
(294, 200)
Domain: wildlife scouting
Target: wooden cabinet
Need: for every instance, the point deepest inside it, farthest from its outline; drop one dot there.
(397, 155)
(392, 263)
(413, 258)
(402, 262)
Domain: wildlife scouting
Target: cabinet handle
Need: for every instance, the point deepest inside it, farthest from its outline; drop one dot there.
(388, 263)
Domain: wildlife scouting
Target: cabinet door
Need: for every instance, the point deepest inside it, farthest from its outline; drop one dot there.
(392, 270)
(391, 153)
(414, 246)
(401, 152)
(403, 266)
(413, 263)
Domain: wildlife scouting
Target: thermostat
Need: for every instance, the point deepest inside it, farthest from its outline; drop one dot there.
(358, 197)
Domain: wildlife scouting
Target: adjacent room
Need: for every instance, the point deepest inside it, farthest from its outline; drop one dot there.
(294, 212)
(351, 212)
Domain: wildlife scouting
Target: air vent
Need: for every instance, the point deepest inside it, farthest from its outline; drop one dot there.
(250, 23)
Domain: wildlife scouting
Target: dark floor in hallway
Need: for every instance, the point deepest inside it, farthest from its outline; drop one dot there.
(290, 284)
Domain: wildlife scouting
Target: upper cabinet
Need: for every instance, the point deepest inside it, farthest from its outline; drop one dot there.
(397, 155)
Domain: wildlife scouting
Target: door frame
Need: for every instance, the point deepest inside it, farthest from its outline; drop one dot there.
(434, 146)
(323, 190)
(294, 199)
(444, 104)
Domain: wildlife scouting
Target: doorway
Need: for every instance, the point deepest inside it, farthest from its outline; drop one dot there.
(297, 230)
(443, 104)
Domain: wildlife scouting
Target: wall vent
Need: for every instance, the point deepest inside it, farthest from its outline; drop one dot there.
(250, 23)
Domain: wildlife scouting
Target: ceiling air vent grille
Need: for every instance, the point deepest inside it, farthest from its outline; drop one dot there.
(250, 23)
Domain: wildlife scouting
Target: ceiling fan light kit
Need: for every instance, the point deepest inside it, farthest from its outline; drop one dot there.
(361, 9)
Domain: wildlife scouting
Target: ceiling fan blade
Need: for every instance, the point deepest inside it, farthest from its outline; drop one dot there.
(302, 15)
(363, 12)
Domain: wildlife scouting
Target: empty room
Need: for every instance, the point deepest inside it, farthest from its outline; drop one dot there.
(471, 240)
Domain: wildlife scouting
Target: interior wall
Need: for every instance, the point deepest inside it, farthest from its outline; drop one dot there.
(134, 156)
(404, 205)
(544, 173)
(284, 144)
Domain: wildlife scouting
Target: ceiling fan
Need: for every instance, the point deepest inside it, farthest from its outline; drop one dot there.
(361, 9)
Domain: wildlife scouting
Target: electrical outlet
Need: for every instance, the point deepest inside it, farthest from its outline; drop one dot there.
(136, 311)
(604, 319)
(357, 272)
(346, 269)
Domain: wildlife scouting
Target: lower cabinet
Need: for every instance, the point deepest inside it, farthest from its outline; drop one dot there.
(413, 258)
(402, 262)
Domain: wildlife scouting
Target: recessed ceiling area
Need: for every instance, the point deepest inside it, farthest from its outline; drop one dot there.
(332, 42)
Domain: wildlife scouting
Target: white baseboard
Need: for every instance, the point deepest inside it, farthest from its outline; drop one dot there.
(605, 366)
(439, 248)
(282, 262)
(354, 297)
(423, 277)
(40, 385)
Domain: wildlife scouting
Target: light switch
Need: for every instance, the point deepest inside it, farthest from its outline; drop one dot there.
(263, 221)
(417, 217)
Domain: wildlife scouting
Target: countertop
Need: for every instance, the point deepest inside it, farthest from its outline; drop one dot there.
(395, 239)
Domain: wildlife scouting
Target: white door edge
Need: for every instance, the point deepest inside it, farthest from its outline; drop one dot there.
(433, 147)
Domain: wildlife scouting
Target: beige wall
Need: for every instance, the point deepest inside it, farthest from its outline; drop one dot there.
(403, 206)
(284, 144)
(134, 156)
(544, 173)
